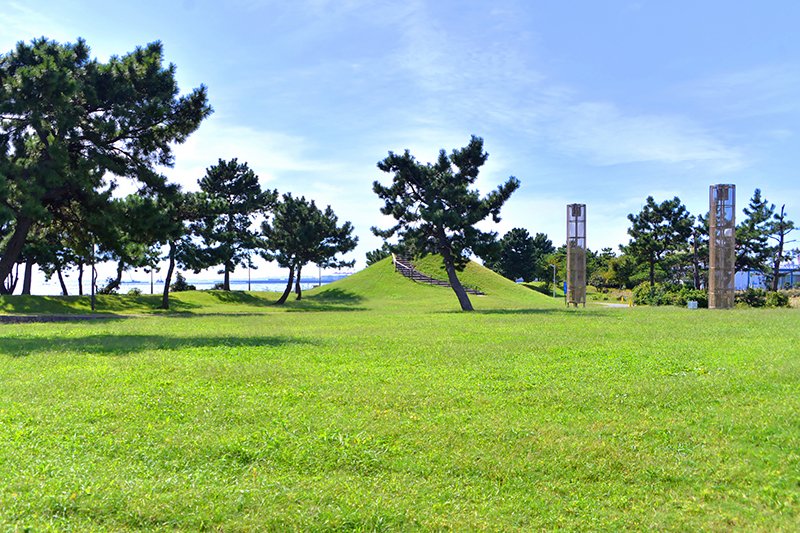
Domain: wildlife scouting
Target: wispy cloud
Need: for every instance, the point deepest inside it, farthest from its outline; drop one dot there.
(756, 91)
(471, 82)
(605, 135)
(276, 157)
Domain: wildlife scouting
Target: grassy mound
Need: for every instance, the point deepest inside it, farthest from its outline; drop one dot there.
(380, 286)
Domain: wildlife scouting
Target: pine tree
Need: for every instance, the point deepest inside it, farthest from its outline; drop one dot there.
(301, 233)
(437, 211)
(68, 122)
(232, 200)
(658, 230)
(752, 234)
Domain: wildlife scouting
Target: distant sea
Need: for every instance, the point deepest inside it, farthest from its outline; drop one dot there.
(52, 287)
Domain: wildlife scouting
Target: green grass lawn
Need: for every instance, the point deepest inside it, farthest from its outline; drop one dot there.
(373, 404)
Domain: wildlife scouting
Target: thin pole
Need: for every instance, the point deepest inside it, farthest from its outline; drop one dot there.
(554, 280)
(94, 276)
(151, 281)
(320, 276)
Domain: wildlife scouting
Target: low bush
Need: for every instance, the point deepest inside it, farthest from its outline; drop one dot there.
(135, 292)
(751, 297)
(662, 294)
(646, 294)
(777, 299)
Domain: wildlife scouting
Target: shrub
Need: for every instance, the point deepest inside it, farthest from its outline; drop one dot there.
(777, 299)
(218, 287)
(135, 292)
(662, 294)
(644, 294)
(181, 284)
(752, 297)
(697, 295)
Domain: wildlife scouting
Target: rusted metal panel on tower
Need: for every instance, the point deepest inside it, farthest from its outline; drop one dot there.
(721, 245)
(576, 254)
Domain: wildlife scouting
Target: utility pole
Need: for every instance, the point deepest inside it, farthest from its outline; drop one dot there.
(249, 265)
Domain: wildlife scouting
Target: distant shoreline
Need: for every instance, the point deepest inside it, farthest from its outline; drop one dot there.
(53, 288)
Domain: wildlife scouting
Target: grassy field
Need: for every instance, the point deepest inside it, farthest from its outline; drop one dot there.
(374, 404)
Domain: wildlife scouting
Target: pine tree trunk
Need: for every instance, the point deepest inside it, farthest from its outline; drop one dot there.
(10, 283)
(61, 281)
(226, 282)
(285, 295)
(168, 278)
(781, 237)
(297, 289)
(455, 283)
(776, 262)
(696, 263)
(80, 279)
(12, 251)
(27, 281)
(115, 283)
(652, 273)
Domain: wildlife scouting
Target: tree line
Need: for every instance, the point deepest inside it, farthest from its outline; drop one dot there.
(72, 126)
(667, 245)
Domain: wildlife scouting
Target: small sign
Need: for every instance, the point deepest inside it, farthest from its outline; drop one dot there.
(691, 304)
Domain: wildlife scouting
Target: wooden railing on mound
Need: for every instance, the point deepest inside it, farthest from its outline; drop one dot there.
(405, 267)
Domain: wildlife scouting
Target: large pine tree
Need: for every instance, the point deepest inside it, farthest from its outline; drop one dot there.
(437, 211)
(68, 122)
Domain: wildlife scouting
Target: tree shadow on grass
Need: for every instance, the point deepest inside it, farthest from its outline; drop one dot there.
(531, 311)
(328, 300)
(122, 345)
(338, 296)
(45, 304)
(29, 319)
(81, 305)
(240, 297)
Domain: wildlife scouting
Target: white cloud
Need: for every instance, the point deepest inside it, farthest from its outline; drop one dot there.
(603, 133)
(276, 157)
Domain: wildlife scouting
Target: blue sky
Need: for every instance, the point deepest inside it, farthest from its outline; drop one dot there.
(596, 102)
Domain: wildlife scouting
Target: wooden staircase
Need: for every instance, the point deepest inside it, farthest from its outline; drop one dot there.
(405, 267)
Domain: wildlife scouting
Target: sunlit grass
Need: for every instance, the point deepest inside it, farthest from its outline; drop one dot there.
(379, 406)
